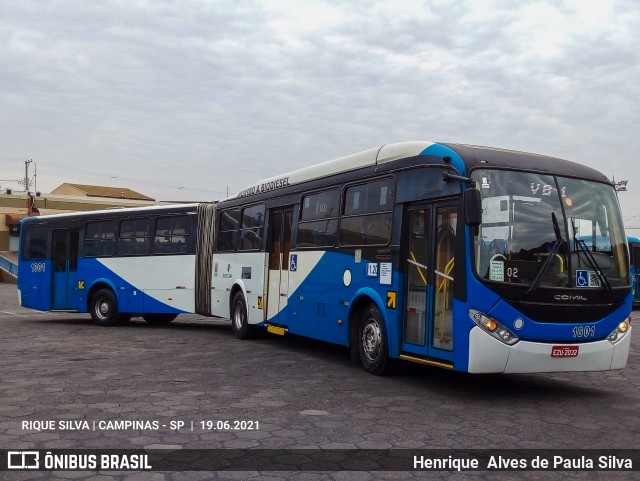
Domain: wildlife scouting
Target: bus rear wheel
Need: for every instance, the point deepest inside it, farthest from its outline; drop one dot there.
(372, 342)
(239, 318)
(104, 308)
(157, 319)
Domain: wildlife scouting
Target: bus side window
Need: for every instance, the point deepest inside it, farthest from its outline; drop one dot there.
(135, 237)
(636, 257)
(366, 218)
(100, 239)
(252, 230)
(318, 223)
(227, 230)
(172, 235)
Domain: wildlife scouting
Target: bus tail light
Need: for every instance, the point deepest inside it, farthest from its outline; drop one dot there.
(493, 327)
(619, 332)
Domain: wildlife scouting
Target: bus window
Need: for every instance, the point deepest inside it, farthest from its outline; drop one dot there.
(319, 219)
(228, 223)
(445, 250)
(100, 239)
(366, 219)
(252, 229)
(36, 249)
(135, 237)
(636, 257)
(417, 274)
(172, 235)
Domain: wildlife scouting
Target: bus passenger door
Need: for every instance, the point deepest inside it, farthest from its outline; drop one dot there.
(429, 263)
(280, 222)
(65, 269)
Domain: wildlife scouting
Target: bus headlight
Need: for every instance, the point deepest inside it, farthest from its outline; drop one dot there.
(619, 332)
(493, 327)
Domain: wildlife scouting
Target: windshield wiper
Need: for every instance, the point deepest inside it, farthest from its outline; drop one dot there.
(593, 263)
(559, 242)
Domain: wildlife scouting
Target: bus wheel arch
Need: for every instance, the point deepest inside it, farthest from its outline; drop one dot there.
(239, 315)
(369, 336)
(103, 306)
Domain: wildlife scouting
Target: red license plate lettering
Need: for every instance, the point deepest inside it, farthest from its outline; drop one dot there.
(565, 351)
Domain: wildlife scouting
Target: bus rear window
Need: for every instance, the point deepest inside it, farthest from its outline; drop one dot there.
(36, 245)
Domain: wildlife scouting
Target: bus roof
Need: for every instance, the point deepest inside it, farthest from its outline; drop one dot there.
(462, 157)
(475, 155)
(158, 209)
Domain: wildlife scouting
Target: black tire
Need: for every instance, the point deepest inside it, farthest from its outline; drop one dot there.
(158, 319)
(104, 308)
(239, 318)
(373, 347)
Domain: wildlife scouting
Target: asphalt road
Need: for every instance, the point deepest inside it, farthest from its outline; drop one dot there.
(303, 394)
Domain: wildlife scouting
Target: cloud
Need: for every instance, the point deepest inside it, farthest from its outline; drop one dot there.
(218, 94)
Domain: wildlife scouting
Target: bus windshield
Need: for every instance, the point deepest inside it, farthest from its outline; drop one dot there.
(541, 230)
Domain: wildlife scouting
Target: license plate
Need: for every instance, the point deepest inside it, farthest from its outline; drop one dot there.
(565, 351)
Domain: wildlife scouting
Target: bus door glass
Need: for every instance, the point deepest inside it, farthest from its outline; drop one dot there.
(278, 283)
(428, 316)
(65, 269)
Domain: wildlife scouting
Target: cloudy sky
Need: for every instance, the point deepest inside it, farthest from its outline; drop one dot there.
(189, 99)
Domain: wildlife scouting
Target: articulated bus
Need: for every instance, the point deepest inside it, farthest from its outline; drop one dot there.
(462, 257)
(112, 263)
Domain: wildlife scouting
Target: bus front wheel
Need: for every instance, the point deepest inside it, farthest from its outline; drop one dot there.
(239, 318)
(104, 308)
(372, 342)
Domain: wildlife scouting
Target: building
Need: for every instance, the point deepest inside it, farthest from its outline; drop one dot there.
(83, 190)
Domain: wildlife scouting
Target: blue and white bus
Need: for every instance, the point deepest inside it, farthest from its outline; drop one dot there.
(634, 254)
(114, 264)
(462, 257)
(457, 256)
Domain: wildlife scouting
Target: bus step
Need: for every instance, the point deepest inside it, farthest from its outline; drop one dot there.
(280, 331)
(423, 360)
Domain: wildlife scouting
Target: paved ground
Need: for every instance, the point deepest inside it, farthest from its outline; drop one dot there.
(303, 394)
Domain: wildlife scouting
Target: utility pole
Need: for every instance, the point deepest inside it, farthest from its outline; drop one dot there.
(26, 174)
(30, 199)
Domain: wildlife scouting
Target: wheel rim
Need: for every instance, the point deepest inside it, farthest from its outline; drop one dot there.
(238, 316)
(102, 308)
(371, 340)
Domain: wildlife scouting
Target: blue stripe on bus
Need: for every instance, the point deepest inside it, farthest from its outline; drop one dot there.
(317, 305)
(439, 150)
(92, 271)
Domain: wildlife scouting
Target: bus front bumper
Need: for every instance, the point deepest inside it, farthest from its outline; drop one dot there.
(488, 355)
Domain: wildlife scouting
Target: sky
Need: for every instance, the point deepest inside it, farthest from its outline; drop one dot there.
(191, 100)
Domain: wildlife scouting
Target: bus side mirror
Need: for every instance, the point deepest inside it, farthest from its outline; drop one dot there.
(472, 207)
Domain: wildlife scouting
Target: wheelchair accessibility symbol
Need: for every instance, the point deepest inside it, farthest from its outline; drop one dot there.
(582, 278)
(293, 263)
